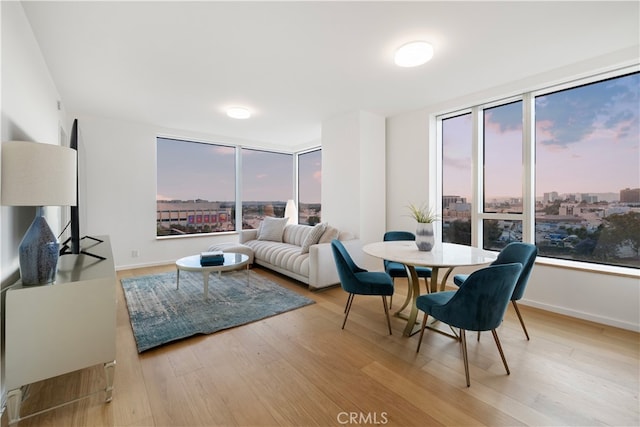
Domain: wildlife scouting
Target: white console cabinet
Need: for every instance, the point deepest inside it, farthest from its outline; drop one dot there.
(69, 325)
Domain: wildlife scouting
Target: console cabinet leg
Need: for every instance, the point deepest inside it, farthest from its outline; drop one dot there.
(14, 400)
(109, 369)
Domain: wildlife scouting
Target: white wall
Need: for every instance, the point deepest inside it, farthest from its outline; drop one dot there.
(353, 176)
(408, 168)
(601, 297)
(29, 113)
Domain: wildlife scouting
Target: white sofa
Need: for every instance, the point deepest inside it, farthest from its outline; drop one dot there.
(316, 268)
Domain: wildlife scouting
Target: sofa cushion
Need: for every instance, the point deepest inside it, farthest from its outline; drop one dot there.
(329, 234)
(272, 229)
(346, 235)
(283, 255)
(295, 234)
(313, 237)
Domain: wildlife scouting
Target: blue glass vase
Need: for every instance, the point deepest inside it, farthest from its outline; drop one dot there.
(39, 252)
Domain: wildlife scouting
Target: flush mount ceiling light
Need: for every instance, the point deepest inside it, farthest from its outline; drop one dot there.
(238, 113)
(413, 54)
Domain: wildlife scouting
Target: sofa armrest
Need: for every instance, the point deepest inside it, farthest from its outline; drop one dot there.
(322, 266)
(246, 235)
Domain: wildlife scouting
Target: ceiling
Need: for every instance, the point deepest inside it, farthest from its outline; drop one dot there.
(178, 65)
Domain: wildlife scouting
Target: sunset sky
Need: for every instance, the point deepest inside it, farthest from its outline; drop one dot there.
(188, 171)
(587, 141)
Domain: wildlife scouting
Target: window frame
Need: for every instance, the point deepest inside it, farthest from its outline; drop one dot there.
(205, 142)
(527, 96)
(238, 178)
(297, 175)
(240, 182)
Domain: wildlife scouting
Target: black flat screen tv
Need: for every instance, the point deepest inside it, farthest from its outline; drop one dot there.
(72, 244)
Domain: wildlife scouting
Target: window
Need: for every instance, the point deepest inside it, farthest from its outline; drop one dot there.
(457, 179)
(502, 192)
(503, 158)
(587, 160)
(309, 186)
(196, 186)
(267, 184)
(577, 197)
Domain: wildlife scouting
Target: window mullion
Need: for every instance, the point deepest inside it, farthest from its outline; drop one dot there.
(477, 168)
(239, 212)
(528, 169)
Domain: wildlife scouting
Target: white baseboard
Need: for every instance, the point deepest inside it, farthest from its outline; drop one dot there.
(581, 315)
(143, 265)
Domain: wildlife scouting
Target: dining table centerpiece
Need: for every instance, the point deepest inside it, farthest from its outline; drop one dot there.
(425, 217)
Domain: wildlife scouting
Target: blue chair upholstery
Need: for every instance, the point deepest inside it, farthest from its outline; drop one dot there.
(358, 281)
(525, 254)
(396, 269)
(478, 305)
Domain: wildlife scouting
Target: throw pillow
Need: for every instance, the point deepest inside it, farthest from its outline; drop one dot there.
(272, 228)
(329, 234)
(313, 237)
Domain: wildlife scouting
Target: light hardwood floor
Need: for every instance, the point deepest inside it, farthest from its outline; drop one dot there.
(301, 369)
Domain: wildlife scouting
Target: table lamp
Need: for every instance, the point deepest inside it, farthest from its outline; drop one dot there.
(39, 175)
(291, 212)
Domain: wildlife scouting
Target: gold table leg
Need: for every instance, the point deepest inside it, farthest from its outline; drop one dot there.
(413, 292)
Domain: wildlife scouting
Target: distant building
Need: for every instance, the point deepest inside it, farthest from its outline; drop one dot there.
(460, 207)
(630, 195)
(550, 197)
(589, 198)
(451, 200)
(567, 209)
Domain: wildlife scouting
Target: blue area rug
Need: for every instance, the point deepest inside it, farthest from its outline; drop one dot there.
(161, 314)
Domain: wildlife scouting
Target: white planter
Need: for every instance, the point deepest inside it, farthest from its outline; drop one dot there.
(424, 236)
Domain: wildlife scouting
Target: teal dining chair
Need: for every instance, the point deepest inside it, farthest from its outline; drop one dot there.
(478, 305)
(525, 254)
(396, 269)
(358, 281)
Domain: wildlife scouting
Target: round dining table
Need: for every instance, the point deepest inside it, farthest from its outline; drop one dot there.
(443, 255)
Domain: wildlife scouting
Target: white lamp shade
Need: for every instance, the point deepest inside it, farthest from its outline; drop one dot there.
(291, 212)
(35, 174)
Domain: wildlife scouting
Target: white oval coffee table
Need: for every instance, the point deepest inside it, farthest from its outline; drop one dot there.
(232, 261)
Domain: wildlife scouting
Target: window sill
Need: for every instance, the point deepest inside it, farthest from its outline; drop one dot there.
(589, 267)
(196, 235)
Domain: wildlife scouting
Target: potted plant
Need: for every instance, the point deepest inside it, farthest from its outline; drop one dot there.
(425, 217)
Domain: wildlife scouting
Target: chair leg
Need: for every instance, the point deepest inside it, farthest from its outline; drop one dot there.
(386, 312)
(504, 360)
(463, 341)
(348, 305)
(391, 297)
(347, 308)
(424, 325)
(524, 328)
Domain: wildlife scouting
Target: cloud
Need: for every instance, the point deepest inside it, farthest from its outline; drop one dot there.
(570, 116)
(505, 117)
(457, 163)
